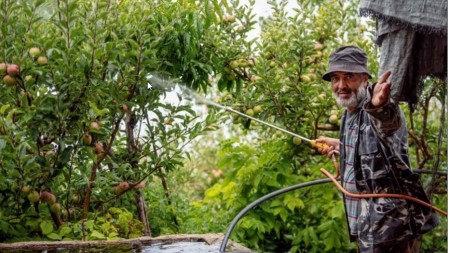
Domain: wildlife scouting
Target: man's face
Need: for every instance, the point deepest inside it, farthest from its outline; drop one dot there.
(348, 88)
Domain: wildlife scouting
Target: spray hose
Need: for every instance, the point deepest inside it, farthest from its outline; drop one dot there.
(375, 195)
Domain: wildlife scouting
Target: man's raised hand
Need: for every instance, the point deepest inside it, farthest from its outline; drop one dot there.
(382, 90)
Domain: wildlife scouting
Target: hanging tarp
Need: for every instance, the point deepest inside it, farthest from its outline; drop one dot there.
(412, 36)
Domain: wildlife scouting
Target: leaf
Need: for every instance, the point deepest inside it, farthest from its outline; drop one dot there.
(64, 230)
(284, 215)
(276, 203)
(2, 143)
(65, 155)
(113, 236)
(293, 202)
(325, 226)
(89, 225)
(4, 108)
(106, 226)
(312, 234)
(97, 235)
(46, 227)
(54, 236)
(96, 110)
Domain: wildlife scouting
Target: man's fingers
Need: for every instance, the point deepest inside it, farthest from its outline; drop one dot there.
(384, 76)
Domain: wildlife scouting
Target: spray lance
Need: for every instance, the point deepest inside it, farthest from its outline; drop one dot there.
(312, 142)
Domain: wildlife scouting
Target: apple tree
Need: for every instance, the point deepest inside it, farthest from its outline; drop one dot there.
(84, 125)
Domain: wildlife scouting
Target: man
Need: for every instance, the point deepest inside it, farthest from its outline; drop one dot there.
(374, 158)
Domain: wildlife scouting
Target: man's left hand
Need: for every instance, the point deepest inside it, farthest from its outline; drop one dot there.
(382, 90)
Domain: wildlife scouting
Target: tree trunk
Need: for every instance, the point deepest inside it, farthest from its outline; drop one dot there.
(167, 194)
(130, 121)
(142, 213)
(56, 218)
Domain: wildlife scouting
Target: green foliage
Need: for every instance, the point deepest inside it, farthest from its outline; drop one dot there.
(90, 123)
(295, 220)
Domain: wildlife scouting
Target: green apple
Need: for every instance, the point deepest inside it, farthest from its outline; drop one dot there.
(34, 52)
(312, 76)
(296, 140)
(76, 198)
(9, 80)
(117, 190)
(87, 139)
(33, 196)
(333, 119)
(28, 79)
(257, 109)
(25, 190)
(42, 60)
(55, 208)
(305, 78)
(250, 112)
(234, 64)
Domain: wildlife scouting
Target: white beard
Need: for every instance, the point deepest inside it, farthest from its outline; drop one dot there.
(354, 100)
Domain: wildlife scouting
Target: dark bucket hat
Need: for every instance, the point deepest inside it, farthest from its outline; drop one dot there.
(347, 59)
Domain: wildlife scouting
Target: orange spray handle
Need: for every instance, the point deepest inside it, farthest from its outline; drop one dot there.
(318, 145)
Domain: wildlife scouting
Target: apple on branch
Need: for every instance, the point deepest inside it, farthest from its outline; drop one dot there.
(34, 52)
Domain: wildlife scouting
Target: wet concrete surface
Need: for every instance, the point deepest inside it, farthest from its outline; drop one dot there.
(181, 247)
(184, 243)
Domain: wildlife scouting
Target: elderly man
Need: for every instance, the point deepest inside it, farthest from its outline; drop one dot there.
(374, 158)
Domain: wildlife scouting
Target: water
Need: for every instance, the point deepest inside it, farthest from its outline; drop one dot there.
(162, 83)
(179, 247)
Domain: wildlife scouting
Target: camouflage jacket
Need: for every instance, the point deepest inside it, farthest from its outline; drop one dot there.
(382, 166)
